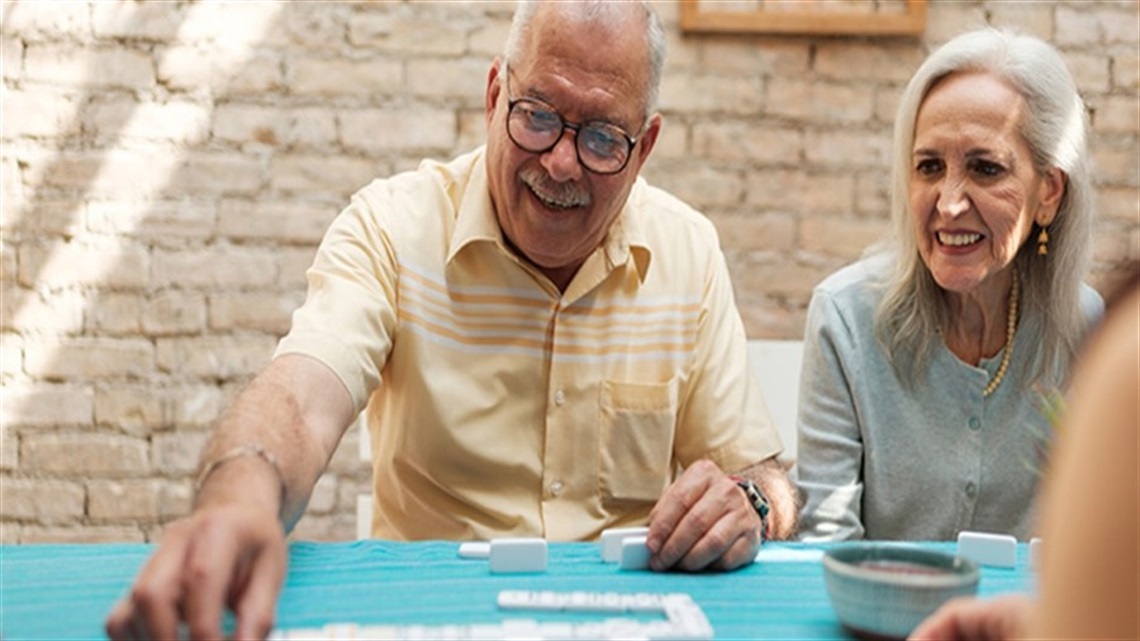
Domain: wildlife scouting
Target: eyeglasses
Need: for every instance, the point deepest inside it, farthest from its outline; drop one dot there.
(537, 127)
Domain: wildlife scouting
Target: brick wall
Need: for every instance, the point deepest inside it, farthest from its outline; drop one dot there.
(168, 169)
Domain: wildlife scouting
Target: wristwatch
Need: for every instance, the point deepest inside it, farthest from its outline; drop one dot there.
(758, 500)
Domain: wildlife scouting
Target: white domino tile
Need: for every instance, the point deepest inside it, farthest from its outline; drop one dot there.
(995, 550)
(513, 555)
(611, 541)
(475, 550)
(634, 553)
(684, 620)
(774, 554)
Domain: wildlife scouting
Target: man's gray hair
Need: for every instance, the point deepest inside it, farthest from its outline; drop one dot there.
(1055, 127)
(606, 12)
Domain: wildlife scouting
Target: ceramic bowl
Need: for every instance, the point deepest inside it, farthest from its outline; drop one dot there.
(883, 591)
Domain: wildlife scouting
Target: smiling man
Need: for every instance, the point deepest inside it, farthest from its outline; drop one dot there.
(545, 344)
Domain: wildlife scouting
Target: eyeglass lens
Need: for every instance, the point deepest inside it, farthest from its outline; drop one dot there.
(602, 147)
(536, 127)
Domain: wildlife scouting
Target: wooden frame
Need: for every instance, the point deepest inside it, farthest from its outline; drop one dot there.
(697, 18)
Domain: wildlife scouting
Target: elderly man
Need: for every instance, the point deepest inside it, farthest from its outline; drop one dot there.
(542, 341)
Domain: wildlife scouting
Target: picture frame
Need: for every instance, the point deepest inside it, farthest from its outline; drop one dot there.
(804, 17)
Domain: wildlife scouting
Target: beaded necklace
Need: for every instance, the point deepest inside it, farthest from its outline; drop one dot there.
(1010, 330)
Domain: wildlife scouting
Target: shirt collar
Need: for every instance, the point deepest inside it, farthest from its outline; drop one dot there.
(476, 222)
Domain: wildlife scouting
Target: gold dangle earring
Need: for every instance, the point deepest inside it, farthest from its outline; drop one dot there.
(1043, 242)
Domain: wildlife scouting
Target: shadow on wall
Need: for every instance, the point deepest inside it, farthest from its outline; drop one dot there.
(169, 170)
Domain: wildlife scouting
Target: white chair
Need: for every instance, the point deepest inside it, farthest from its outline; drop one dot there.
(364, 501)
(777, 365)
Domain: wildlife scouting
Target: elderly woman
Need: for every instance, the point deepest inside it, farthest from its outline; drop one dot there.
(927, 363)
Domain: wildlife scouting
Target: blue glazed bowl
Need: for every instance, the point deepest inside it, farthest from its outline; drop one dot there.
(884, 590)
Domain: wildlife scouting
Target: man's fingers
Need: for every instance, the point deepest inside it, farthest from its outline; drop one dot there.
(669, 511)
(119, 625)
(256, 605)
(703, 521)
(152, 606)
(210, 568)
(667, 516)
(729, 535)
(741, 553)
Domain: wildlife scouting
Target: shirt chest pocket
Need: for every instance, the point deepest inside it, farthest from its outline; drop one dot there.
(638, 421)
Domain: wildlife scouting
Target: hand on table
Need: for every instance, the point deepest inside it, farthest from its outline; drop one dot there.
(969, 619)
(228, 555)
(703, 521)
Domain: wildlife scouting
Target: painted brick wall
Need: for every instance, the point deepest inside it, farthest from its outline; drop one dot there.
(167, 169)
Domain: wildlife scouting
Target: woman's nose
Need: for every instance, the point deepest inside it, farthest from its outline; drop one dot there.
(952, 198)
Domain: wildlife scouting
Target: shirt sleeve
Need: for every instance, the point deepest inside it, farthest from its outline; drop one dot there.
(348, 319)
(830, 445)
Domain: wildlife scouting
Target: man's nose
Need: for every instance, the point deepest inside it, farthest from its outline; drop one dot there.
(561, 162)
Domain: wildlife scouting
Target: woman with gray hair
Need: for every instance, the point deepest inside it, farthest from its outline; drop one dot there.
(929, 363)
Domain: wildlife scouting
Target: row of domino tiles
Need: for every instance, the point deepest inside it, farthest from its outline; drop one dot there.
(684, 620)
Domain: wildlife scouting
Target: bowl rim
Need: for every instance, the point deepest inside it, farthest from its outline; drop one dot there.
(960, 571)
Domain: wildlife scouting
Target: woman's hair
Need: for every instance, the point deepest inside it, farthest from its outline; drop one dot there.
(605, 12)
(914, 309)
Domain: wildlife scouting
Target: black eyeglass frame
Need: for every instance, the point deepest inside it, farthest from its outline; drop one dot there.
(631, 142)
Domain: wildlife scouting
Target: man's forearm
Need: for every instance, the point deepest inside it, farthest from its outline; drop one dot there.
(278, 434)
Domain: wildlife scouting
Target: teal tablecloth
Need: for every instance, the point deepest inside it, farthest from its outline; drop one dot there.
(65, 591)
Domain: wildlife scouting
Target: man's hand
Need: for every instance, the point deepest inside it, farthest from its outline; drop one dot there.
(231, 555)
(703, 521)
(968, 619)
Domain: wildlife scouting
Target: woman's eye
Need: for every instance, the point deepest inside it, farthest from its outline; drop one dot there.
(928, 166)
(986, 168)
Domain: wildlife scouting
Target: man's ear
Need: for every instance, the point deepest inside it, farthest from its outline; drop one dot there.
(1053, 186)
(649, 138)
(494, 86)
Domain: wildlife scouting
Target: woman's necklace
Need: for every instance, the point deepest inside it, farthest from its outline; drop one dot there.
(1010, 330)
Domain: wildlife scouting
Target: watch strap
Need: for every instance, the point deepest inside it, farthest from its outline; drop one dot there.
(758, 500)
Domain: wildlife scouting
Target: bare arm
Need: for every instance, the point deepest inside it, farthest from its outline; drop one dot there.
(1090, 520)
(231, 550)
(1091, 524)
(297, 410)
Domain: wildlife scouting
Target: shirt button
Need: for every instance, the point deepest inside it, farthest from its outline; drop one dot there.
(975, 424)
(559, 398)
(556, 488)
(971, 489)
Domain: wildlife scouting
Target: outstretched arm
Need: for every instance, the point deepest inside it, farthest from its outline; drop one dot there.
(257, 473)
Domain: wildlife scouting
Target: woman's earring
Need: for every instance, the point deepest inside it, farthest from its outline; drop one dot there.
(1043, 242)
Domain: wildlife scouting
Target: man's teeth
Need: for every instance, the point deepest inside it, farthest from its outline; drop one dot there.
(555, 203)
(958, 240)
(550, 202)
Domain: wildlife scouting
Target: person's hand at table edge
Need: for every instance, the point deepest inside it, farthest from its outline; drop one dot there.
(704, 521)
(231, 552)
(971, 619)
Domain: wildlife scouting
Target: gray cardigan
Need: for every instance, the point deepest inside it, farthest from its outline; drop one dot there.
(878, 460)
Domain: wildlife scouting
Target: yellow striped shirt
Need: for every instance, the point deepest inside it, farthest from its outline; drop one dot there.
(498, 406)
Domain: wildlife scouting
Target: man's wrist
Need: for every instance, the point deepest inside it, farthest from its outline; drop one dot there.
(759, 502)
(244, 451)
